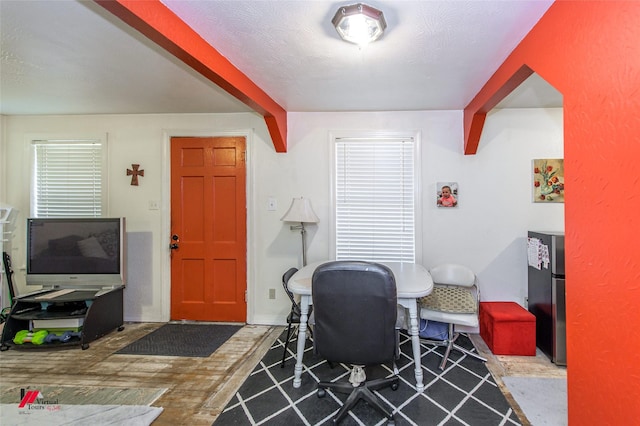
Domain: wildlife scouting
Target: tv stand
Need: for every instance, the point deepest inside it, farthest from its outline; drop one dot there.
(99, 310)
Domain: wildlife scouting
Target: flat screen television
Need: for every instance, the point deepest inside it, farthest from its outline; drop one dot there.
(76, 252)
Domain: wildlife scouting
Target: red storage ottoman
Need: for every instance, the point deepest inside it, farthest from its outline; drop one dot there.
(507, 328)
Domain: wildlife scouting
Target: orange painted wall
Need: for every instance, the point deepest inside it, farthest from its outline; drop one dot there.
(590, 51)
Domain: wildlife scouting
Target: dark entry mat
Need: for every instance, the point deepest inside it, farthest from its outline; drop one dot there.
(191, 340)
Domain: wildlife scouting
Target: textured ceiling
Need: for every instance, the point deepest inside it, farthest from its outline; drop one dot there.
(70, 57)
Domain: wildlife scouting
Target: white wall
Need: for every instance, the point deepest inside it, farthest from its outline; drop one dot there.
(4, 245)
(141, 139)
(486, 231)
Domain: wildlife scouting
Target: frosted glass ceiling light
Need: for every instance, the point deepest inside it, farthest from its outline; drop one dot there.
(359, 23)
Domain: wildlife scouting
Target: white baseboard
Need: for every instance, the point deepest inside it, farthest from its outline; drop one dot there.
(268, 320)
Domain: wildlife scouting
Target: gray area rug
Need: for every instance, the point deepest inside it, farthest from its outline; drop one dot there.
(78, 415)
(189, 340)
(78, 405)
(84, 395)
(543, 400)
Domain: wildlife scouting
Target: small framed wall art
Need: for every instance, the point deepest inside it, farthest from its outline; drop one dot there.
(447, 194)
(548, 180)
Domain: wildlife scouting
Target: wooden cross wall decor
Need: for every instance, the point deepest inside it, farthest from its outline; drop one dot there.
(135, 173)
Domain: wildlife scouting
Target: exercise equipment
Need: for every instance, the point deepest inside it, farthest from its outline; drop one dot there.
(26, 336)
(62, 338)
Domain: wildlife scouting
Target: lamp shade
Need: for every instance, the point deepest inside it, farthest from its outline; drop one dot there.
(300, 211)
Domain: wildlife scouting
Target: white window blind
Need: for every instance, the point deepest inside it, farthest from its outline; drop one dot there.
(375, 204)
(67, 179)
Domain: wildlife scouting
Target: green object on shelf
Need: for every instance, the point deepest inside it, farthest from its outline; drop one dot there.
(26, 336)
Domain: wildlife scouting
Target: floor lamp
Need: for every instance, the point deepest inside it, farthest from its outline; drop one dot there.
(301, 211)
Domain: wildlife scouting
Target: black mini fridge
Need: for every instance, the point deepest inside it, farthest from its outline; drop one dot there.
(546, 292)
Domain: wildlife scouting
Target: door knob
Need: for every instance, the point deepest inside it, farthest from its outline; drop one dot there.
(174, 245)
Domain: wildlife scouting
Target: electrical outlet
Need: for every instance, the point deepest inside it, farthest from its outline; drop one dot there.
(272, 293)
(154, 205)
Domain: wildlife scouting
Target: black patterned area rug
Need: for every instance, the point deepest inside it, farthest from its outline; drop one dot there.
(465, 393)
(189, 340)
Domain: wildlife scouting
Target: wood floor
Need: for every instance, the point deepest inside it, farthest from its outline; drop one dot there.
(197, 389)
(521, 366)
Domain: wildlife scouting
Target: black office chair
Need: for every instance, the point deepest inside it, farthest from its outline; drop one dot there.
(355, 309)
(293, 319)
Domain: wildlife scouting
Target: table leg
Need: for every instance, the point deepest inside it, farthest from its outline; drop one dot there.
(415, 343)
(302, 333)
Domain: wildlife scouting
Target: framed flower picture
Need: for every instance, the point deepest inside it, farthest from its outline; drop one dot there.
(548, 180)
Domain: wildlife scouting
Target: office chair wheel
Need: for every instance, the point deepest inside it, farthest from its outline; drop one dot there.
(322, 393)
(394, 387)
(391, 422)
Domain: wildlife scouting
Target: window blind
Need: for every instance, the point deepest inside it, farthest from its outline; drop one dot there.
(375, 204)
(67, 178)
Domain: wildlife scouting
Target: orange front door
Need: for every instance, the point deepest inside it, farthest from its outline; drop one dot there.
(208, 229)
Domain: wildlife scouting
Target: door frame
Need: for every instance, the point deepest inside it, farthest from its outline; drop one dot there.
(165, 262)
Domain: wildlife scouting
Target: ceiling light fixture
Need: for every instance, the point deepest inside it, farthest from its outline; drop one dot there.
(359, 23)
